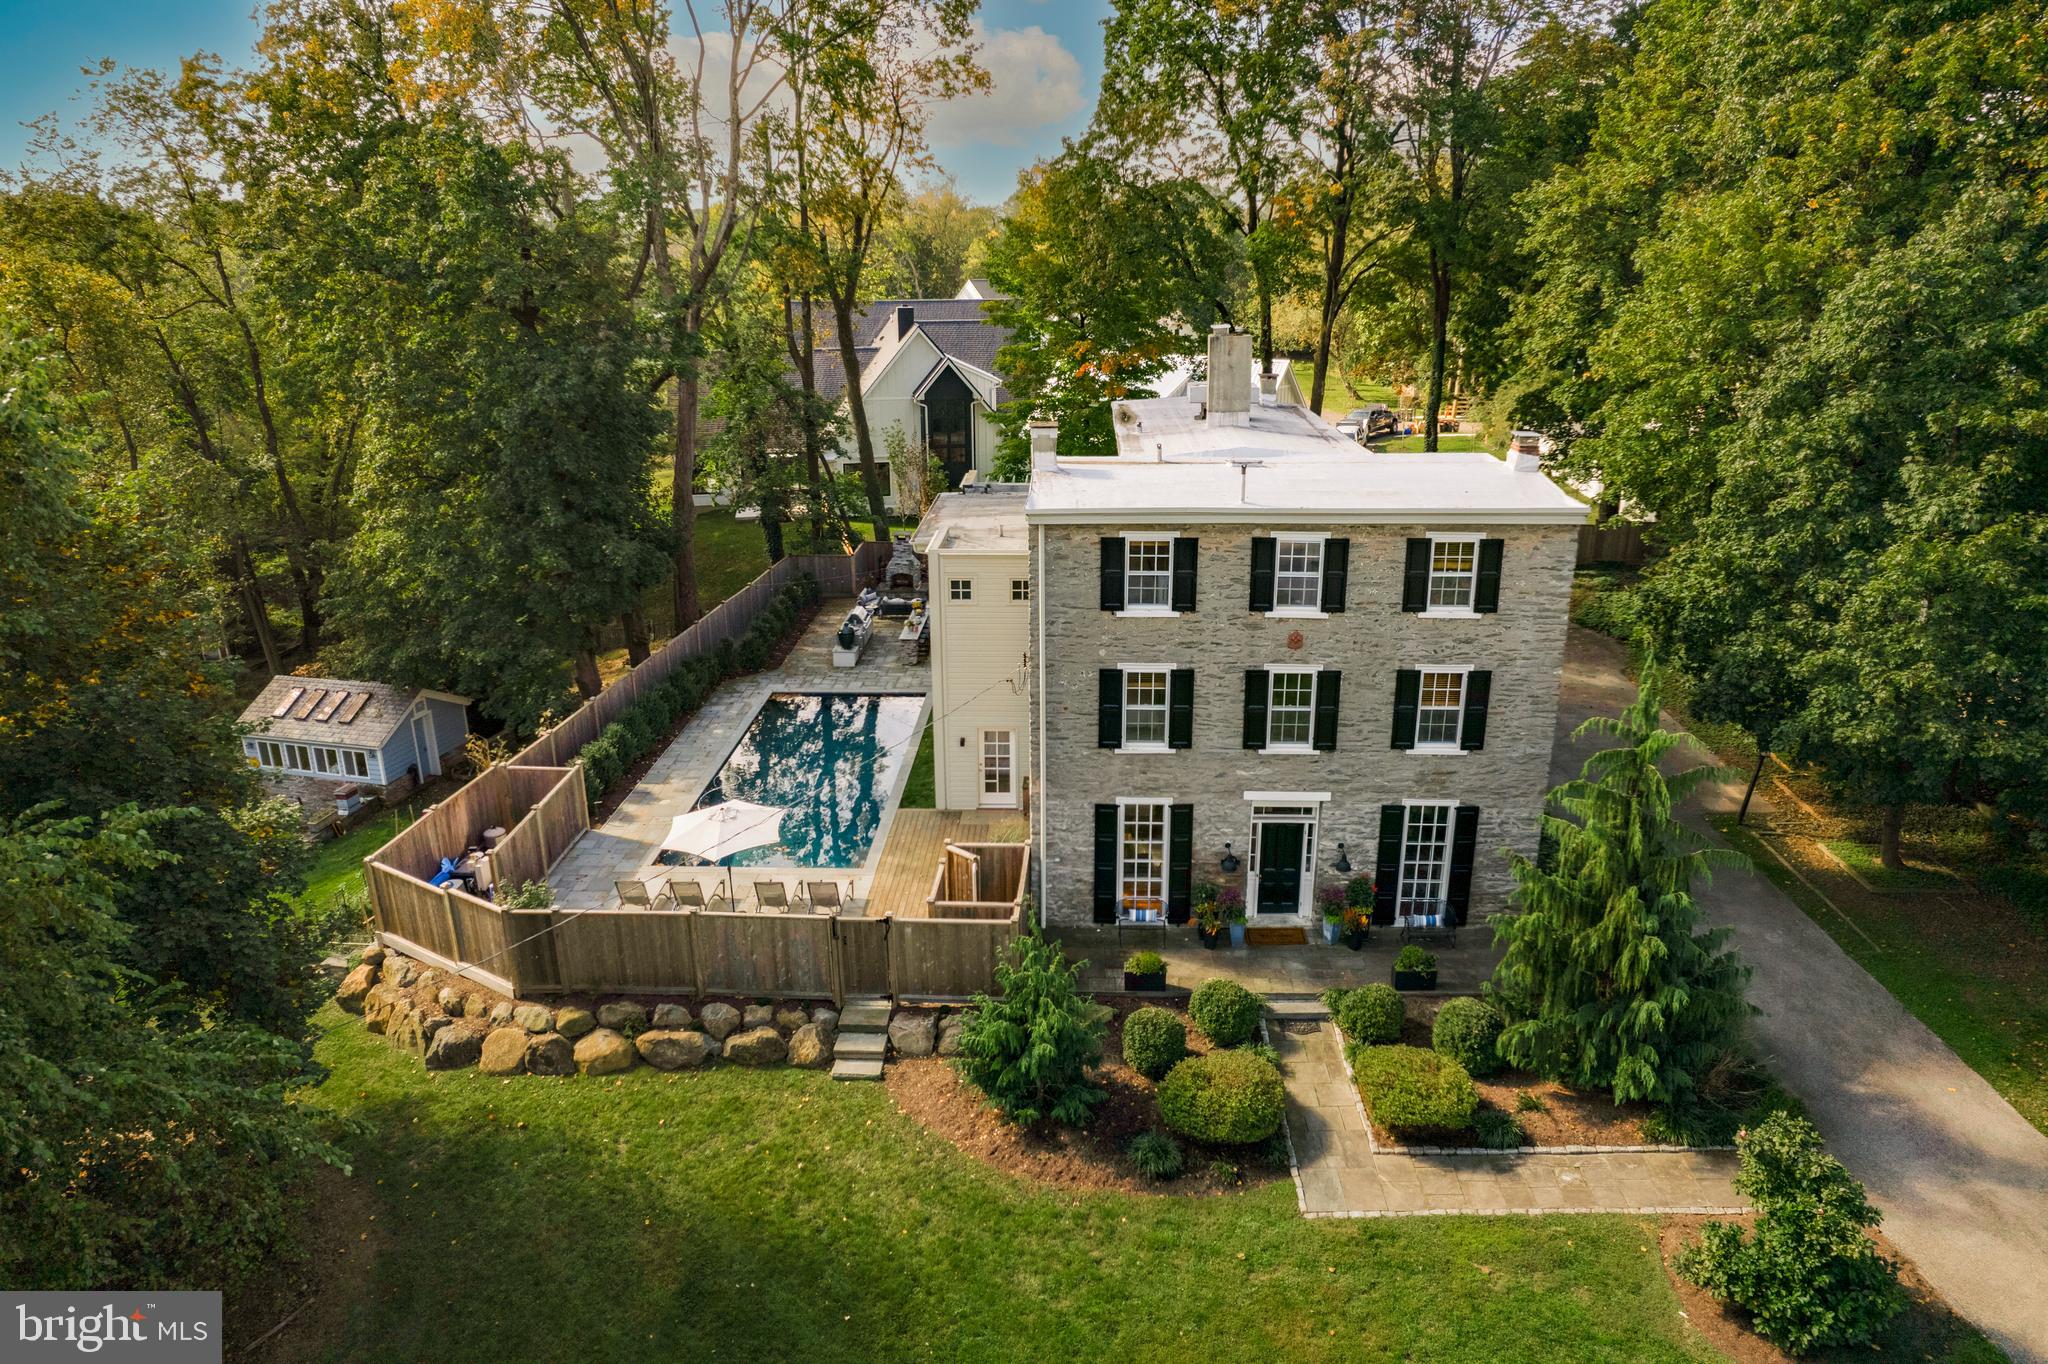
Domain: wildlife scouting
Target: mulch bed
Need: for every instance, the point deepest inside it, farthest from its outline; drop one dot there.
(932, 1092)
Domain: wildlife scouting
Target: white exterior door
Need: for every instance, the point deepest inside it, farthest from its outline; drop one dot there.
(999, 769)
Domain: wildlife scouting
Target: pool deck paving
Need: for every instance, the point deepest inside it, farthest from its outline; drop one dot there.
(624, 844)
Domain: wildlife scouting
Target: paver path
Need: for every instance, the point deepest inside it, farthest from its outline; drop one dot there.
(1962, 1178)
(1338, 1174)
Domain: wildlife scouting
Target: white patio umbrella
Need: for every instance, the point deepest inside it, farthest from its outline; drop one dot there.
(716, 832)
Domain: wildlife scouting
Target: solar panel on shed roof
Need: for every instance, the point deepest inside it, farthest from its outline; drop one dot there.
(287, 703)
(353, 708)
(334, 701)
(306, 706)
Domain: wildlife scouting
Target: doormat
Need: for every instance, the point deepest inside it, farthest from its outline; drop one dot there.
(1275, 937)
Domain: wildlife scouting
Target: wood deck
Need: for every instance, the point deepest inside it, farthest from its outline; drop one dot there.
(910, 857)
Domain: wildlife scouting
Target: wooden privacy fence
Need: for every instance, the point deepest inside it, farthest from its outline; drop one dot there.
(1617, 542)
(541, 809)
(980, 881)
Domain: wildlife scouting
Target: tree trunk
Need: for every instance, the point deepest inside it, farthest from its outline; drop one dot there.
(1333, 270)
(1750, 790)
(588, 683)
(682, 503)
(1439, 333)
(633, 624)
(864, 441)
(1265, 329)
(1888, 837)
(251, 593)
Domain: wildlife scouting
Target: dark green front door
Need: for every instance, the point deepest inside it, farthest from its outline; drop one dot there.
(1280, 868)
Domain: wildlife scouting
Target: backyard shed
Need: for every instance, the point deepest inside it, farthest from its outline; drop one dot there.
(312, 736)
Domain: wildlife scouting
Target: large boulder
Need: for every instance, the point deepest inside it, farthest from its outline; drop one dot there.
(374, 955)
(949, 1034)
(811, 1046)
(549, 1054)
(622, 1015)
(404, 1032)
(672, 1017)
(504, 1052)
(758, 1016)
(378, 1005)
(501, 1014)
(756, 1047)
(602, 1052)
(450, 1000)
(454, 1048)
(534, 1017)
(675, 1049)
(433, 1023)
(355, 988)
(720, 1020)
(912, 1034)
(573, 1022)
(828, 1019)
(399, 971)
(790, 1019)
(476, 1006)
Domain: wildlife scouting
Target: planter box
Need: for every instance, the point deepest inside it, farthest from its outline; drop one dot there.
(1145, 980)
(1414, 980)
(1237, 935)
(1332, 930)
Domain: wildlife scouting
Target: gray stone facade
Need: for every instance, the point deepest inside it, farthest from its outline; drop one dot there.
(1522, 643)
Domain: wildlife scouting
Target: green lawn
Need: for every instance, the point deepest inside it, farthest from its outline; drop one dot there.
(729, 554)
(337, 865)
(1340, 396)
(1862, 859)
(1410, 445)
(736, 1215)
(920, 787)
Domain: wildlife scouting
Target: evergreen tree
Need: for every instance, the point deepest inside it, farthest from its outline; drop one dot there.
(1029, 1048)
(1607, 981)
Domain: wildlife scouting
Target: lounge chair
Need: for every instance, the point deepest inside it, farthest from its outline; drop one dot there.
(823, 896)
(689, 893)
(634, 895)
(771, 896)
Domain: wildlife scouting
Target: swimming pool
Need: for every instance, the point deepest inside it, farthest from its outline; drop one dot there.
(832, 759)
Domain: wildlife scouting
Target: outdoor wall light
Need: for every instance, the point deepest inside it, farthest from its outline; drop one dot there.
(1343, 864)
(1229, 862)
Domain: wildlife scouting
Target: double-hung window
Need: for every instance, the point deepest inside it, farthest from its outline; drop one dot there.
(1145, 708)
(1453, 573)
(1141, 862)
(1425, 862)
(960, 589)
(1148, 574)
(1440, 709)
(1290, 709)
(1298, 574)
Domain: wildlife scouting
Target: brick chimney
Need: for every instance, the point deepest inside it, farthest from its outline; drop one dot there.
(1230, 376)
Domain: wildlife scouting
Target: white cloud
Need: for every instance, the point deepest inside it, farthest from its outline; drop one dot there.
(1037, 84)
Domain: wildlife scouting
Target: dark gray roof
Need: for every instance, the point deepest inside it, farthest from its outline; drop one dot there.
(870, 321)
(957, 326)
(330, 711)
(974, 342)
(831, 374)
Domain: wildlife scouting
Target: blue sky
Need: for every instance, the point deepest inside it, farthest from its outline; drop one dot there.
(1046, 56)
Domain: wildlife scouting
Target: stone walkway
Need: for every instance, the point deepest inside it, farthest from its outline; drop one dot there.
(1270, 971)
(1338, 1174)
(624, 845)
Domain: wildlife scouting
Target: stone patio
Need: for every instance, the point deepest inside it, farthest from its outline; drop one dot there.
(624, 845)
(1277, 972)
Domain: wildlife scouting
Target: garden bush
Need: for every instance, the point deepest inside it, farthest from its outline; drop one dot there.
(1468, 1031)
(1497, 1131)
(1144, 963)
(1155, 1040)
(1225, 1011)
(1030, 1047)
(1155, 1155)
(1409, 1089)
(1230, 1097)
(1371, 1013)
(1808, 1276)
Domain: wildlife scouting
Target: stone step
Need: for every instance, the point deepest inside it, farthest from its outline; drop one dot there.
(856, 1068)
(864, 1015)
(861, 1045)
(1297, 1010)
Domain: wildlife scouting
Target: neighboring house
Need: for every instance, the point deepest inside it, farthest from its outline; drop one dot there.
(927, 369)
(978, 576)
(1263, 656)
(309, 736)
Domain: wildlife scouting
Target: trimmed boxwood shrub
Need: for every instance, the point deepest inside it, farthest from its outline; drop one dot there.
(1371, 1013)
(1230, 1097)
(1225, 1011)
(1154, 1042)
(1468, 1031)
(1409, 1089)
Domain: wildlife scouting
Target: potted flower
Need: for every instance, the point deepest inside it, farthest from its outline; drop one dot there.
(1414, 969)
(1231, 901)
(1357, 927)
(1358, 893)
(1208, 915)
(1144, 971)
(1331, 898)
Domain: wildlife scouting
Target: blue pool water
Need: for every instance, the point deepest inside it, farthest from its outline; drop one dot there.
(830, 759)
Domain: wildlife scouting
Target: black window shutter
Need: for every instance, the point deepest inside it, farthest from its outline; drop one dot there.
(1256, 685)
(1464, 842)
(1324, 734)
(1180, 708)
(1180, 864)
(1407, 696)
(1336, 573)
(1109, 708)
(1486, 591)
(1386, 879)
(1263, 548)
(1478, 691)
(1184, 549)
(1415, 582)
(1112, 573)
(1105, 864)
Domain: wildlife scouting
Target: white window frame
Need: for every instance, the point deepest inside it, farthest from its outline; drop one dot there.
(1471, 577)
(1163, 744)
(960, 589)
(1124, 807)
(1307, 743)
(996, 800)
(1298, 612)
(1412, 812)
(1164, 607)
(1463, 672)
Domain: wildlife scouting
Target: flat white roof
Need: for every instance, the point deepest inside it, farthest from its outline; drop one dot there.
(990, 522)
(1285, 466)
